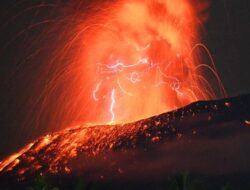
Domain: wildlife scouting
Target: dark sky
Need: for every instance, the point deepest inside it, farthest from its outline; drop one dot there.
(227, 37)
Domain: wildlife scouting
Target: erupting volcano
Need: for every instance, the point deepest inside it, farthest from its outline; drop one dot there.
(140, 55)
(121, 61)
(115, 64)
(137, 59)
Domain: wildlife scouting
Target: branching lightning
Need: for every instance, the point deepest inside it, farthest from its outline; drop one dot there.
(130, 60)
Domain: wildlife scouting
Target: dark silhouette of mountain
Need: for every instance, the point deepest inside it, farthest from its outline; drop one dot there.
(206, 138)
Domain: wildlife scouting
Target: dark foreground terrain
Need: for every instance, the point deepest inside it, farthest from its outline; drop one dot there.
(201, 146)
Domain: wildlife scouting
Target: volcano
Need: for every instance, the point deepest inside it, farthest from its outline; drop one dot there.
(206, 137)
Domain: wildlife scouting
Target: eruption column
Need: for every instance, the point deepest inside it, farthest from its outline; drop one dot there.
(125, 60)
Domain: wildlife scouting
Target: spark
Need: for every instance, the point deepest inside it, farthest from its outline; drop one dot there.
(122, 61)
(247, 122)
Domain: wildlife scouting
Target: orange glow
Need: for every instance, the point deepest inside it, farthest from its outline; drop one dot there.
(133, 59)
(129, 60)
(121, 61)
(67, 145)
(13, 159)
(140, 56)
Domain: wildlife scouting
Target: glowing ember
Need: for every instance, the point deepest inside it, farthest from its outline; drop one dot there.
(71, 150)
(129, 60)
(141, 56)
(247, 122)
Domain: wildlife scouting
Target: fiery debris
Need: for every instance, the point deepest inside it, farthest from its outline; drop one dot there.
(54, 153)
(126, 60)
(247, 122)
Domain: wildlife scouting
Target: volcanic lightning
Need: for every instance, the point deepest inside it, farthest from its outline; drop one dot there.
(143, 50)
(116, 63)
(121, 61)
(112, 105)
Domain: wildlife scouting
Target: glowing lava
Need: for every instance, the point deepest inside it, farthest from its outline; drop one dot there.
(74, 149)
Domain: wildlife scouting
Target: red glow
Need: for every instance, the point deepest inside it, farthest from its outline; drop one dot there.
(125, 61)
(128, 60)
(142, 51)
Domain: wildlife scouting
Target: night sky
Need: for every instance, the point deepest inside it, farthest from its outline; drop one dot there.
(228, 39)
(226, 34)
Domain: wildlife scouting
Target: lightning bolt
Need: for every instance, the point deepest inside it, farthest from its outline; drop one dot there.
(112, 105)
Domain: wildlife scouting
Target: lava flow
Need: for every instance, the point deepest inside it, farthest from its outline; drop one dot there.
(126, 60)
(82, 149)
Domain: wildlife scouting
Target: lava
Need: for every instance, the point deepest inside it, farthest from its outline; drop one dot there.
(72, 149)
(119, 62)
